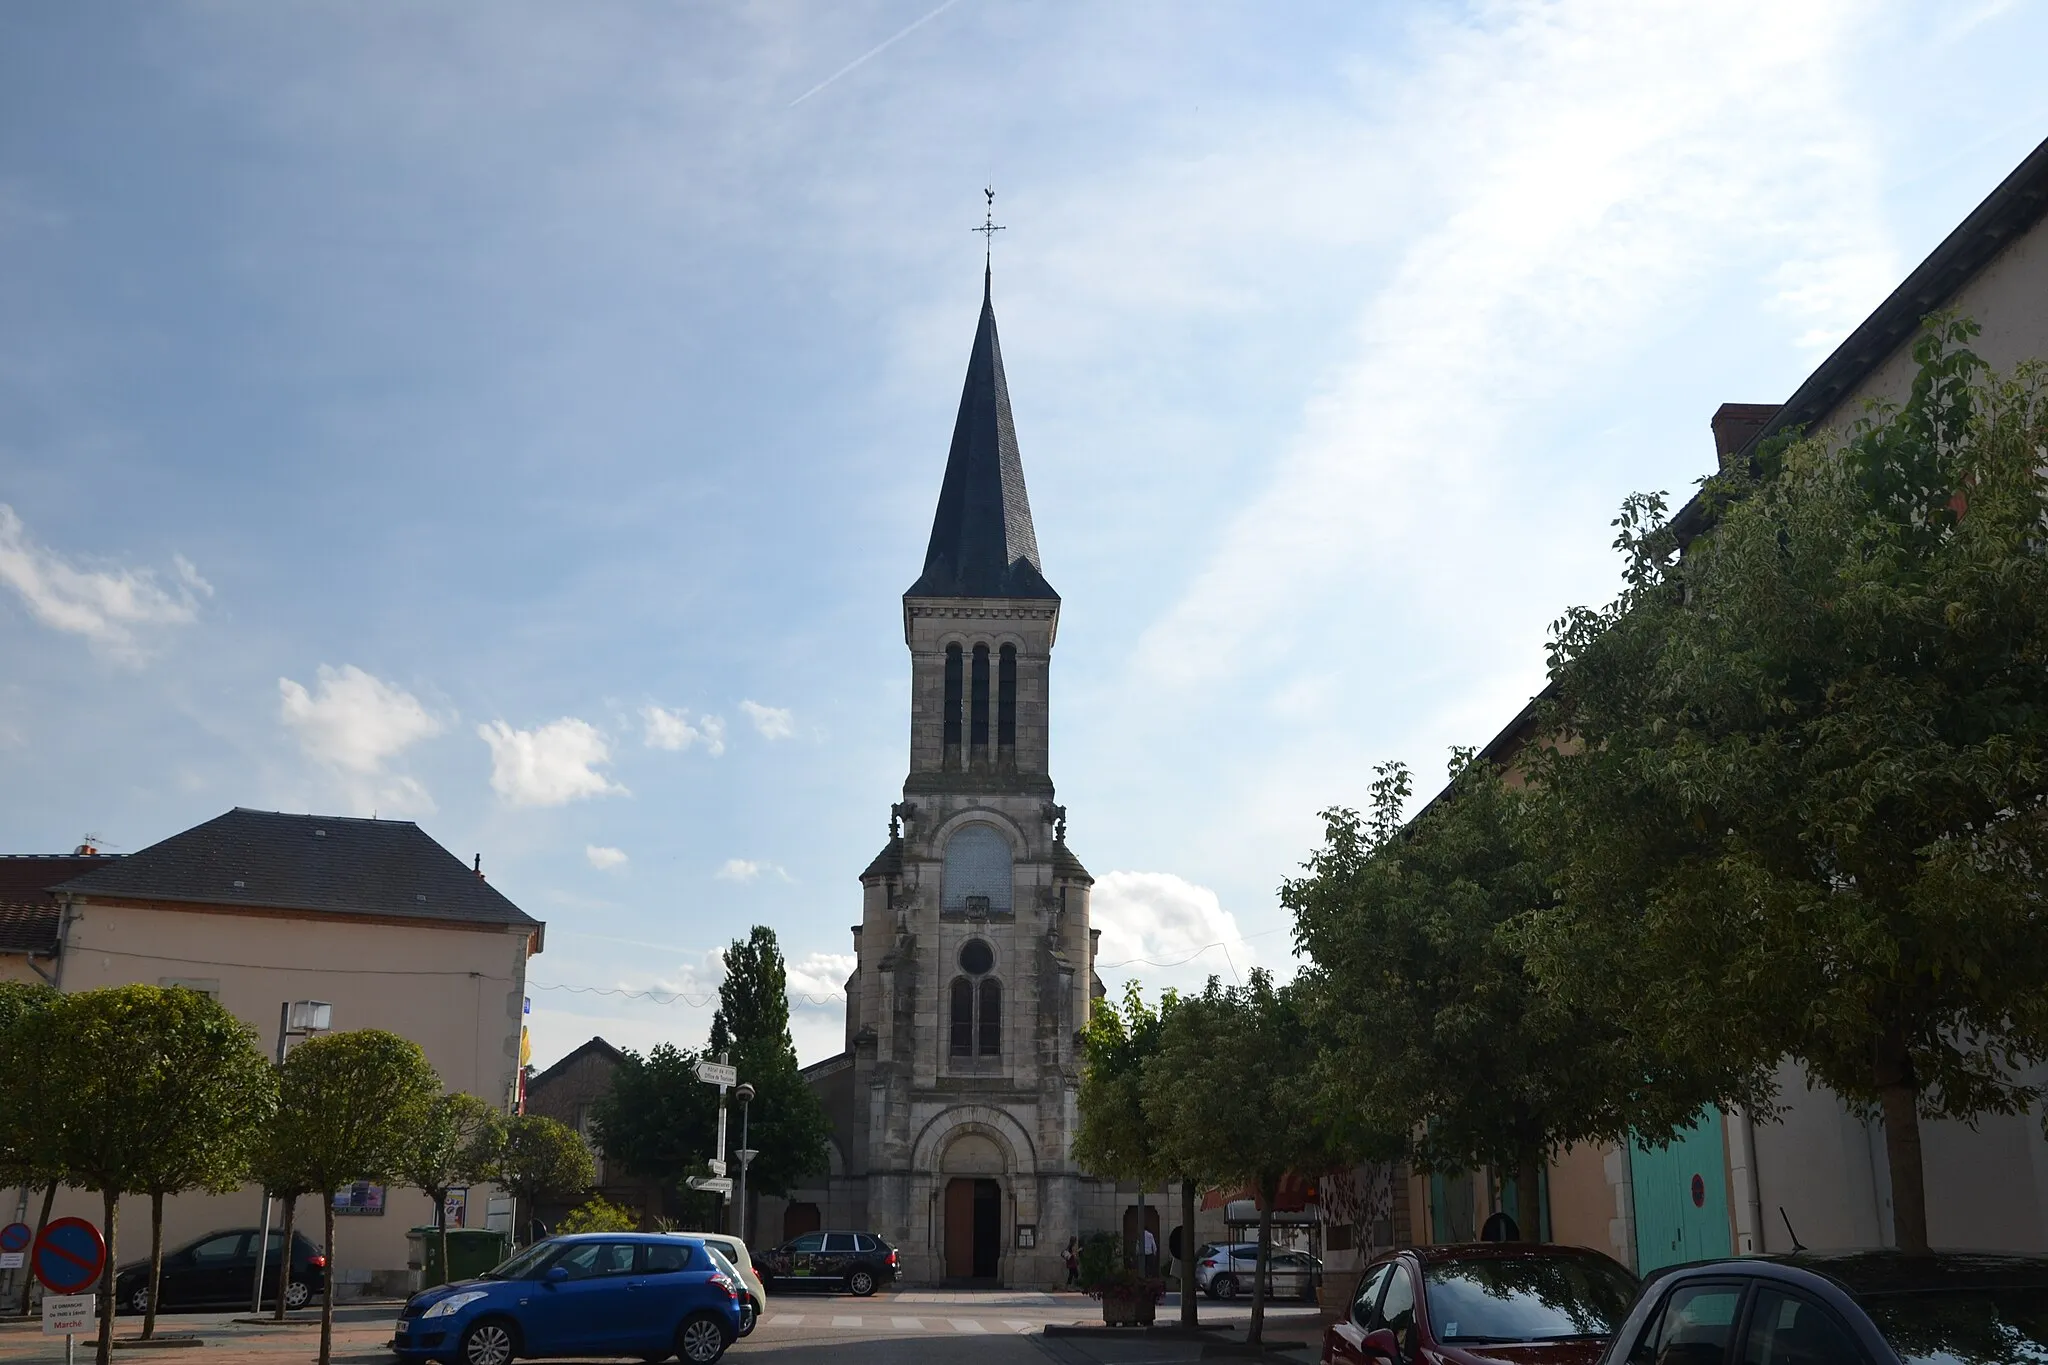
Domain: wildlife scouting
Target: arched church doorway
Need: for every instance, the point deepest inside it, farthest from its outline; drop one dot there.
(974, 1229)
(798, 1219)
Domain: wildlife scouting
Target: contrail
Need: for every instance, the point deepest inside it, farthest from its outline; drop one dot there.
(873, 52)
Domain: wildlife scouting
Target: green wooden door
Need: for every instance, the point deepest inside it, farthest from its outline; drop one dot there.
(1681, 1197)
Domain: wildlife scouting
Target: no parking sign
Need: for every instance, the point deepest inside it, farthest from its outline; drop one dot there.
(69, 1256)
(14, 1240)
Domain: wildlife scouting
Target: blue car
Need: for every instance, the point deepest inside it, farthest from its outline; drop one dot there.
(649, 1295)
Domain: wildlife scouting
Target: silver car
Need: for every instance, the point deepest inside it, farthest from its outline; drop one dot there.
(1223, 1271)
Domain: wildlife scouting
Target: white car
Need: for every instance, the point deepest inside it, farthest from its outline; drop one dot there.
(1223, 1271)
(734, 1250)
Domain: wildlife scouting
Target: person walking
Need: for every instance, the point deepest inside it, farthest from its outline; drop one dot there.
(1151, 1248)
(1072, 1256)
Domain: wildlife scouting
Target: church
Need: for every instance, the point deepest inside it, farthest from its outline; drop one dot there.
(953, 1105)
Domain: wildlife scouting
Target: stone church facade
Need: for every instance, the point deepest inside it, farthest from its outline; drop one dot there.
(953, 1105)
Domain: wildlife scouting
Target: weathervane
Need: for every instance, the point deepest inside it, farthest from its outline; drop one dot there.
(988, 229)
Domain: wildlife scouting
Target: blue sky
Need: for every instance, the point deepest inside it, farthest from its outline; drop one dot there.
(526, 418)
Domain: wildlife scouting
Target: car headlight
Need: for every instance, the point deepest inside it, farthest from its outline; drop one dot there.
(454, 1304)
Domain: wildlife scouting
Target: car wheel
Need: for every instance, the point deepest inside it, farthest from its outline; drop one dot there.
(861, 1283)
(298, 1294)
(138, 1299)
(701, 1340)
(488, 1342)
(1223, 1287)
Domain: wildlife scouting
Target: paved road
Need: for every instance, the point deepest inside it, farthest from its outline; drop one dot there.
(910, 1326)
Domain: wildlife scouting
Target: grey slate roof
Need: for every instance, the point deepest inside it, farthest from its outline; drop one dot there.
(329, 864)
(983, 544)
(30, 916)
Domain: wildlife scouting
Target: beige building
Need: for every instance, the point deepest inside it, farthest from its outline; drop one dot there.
(258, 909)
(1819, 1171)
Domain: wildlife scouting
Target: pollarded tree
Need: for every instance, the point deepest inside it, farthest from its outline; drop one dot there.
(208, 1116)
(1230, 1091)
(348, 1102)
(786, 1123)
(457, 1143)
(1803, 788)
(278, 1163)
(27, 1132)
(1433, 1025)
(538, 1157)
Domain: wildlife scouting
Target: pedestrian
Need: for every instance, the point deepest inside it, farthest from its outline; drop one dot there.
(1151, 1247)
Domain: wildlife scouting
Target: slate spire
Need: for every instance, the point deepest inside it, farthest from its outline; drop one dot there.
(982, 541)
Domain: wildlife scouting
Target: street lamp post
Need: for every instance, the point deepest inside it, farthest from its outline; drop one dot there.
(295, 1019)
(745, 1095)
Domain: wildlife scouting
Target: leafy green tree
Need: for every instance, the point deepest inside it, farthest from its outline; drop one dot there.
(279, 1164)
(1115, 1137)
(1802, 765)
(657, 1121)
(348, 1102)
(457, 1143)
(216, 1092)
(1230, 1091)
(27, 1129)
(540, 1157)
(1432, 1023)
(786, 1123)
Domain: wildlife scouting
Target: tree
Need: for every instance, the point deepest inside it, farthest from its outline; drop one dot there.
(120, 1108)
(1435, 1031)
(540, 1157)
(216, 1092)
(456, 1143)
(1802, 764)
(1230, 1092)
(348, 1102)
(27, 1114)
(657, 1121)
(787, 1125)
(598, 1214)
(1115, 1137)
(278, 1164)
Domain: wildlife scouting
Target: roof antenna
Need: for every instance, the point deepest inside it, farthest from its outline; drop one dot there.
(479, 867)
(1797, 1245)
(988, 230)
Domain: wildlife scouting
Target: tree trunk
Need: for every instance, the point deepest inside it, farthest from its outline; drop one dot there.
(156, 1261)
(1898, 1091)
(1187, 1254)
(1269, 1194)
(28, 1279)
(110, 1201)
(1529, 1198)
(289, 1204)
(327, 1293)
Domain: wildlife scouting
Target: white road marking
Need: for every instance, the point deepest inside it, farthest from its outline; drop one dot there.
(907, 1324)
(966, 1325)
(785, 1320)
(1016, 1326)
(846, 1322)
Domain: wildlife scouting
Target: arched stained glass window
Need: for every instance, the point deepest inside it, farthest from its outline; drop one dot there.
(963, 1017)
(977, 865)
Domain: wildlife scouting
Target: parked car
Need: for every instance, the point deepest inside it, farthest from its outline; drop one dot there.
(858, 1262)
(220, 1268)
(1487, 1303)
(1225, 1270)
(1853, 1308)
(734, 1250)
(642, 1294)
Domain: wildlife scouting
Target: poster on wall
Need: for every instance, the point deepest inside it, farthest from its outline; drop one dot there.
(456, 1209)
(360, 1198)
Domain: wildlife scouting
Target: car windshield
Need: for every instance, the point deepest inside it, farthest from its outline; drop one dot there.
(1965, 1326)
(1526, 1298)
(526, 1263)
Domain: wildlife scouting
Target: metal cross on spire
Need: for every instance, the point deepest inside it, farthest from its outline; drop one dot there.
(988, 230)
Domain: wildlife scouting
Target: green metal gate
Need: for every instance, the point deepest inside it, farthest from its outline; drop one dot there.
(1681, 1197)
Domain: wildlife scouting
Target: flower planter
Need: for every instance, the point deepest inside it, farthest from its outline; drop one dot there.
(1129, 1308)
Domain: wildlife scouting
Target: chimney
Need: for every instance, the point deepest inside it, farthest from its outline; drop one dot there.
(479, 867)
(1736, 424)
(85, 851)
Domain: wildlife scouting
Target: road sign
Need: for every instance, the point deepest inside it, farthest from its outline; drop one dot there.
(718, 1073)
(711, 1184)
(12, 1260)
(16, 1237)
(64, 1314)
(69, 1256)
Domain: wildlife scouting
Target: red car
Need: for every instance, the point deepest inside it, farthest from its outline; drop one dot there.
(1491, 1303)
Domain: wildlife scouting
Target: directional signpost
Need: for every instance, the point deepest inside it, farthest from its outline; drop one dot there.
(724, 1077)
(68, 1259)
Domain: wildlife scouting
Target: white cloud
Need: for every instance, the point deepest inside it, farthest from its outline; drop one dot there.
(604, 859)
(356, 723)
(549, 766)
(106, 606)
(774, 722)
(675, 731)
(747, 870)
(818, 980)
(1165, 931)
